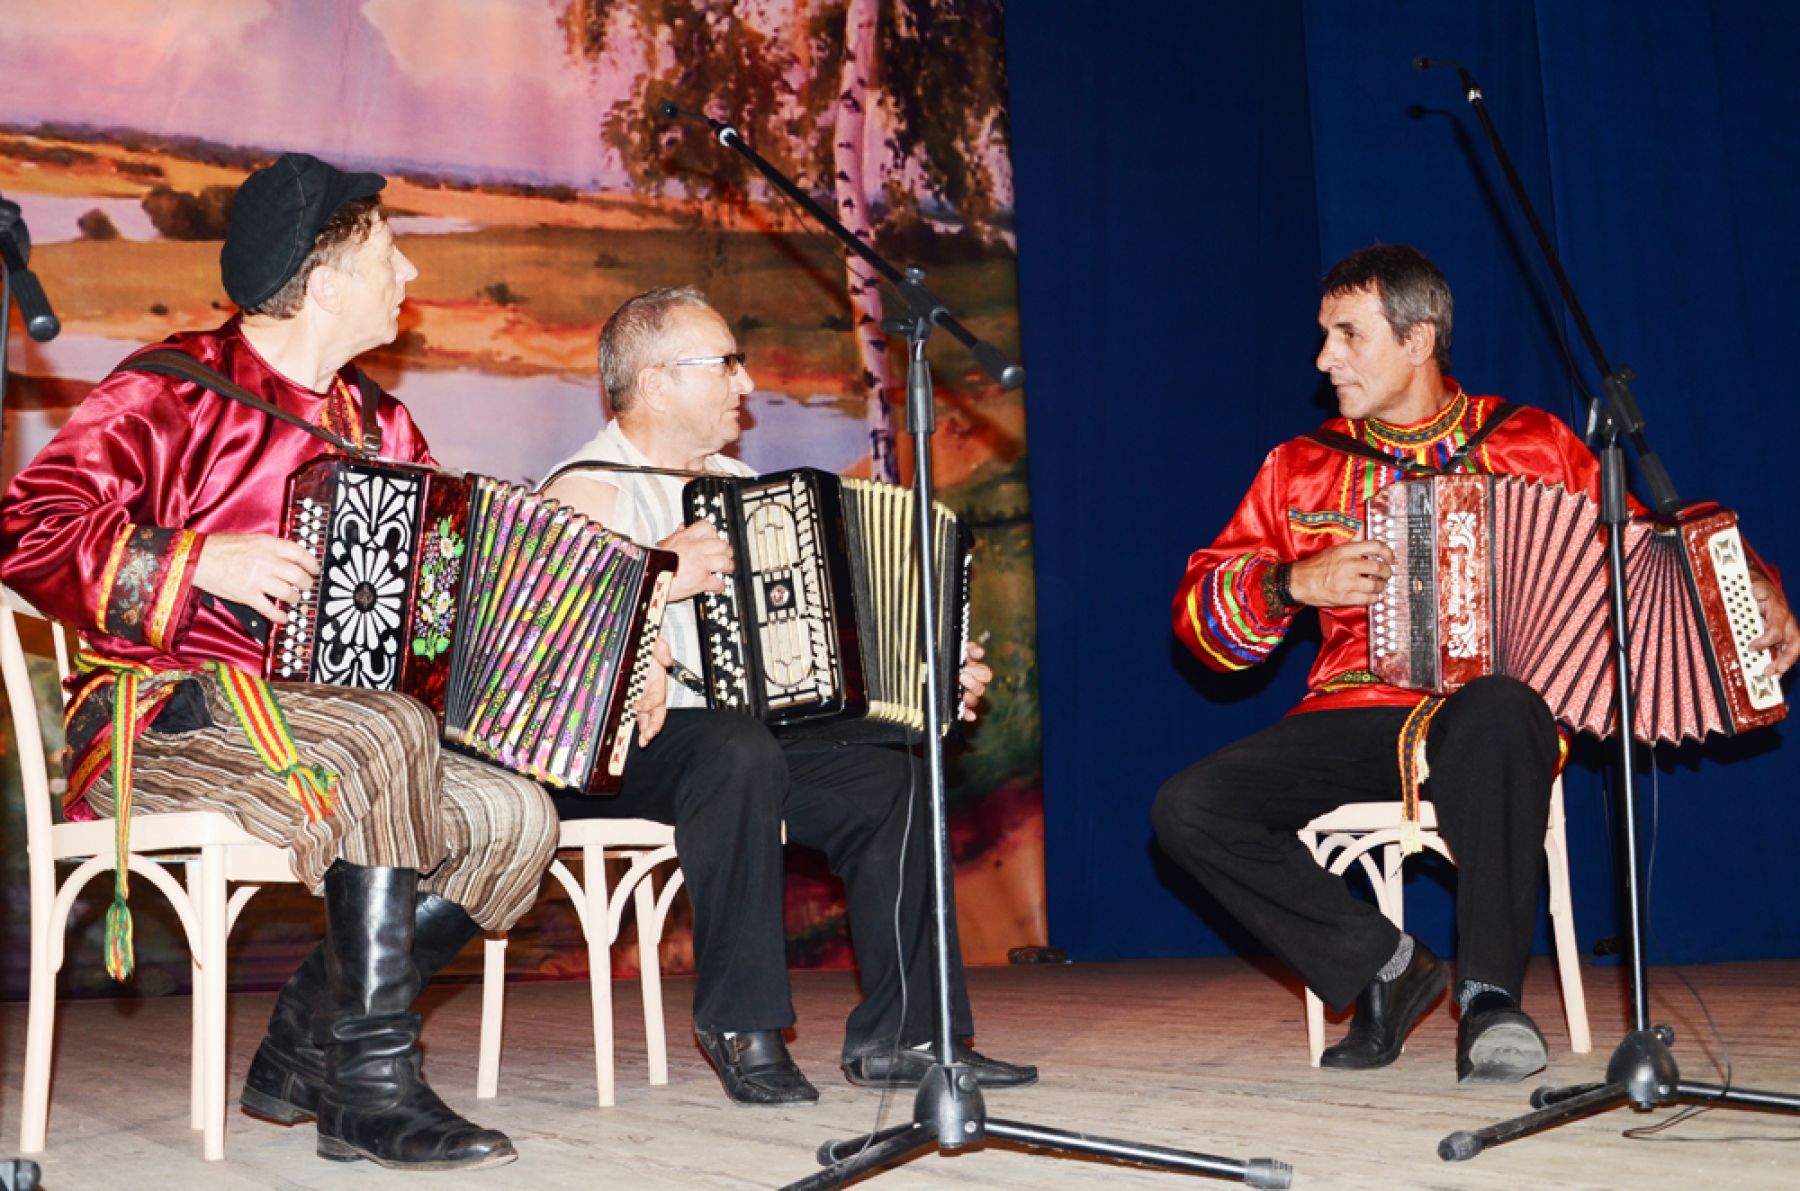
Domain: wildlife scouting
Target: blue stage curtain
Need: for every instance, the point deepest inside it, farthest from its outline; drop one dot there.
(1186, 172)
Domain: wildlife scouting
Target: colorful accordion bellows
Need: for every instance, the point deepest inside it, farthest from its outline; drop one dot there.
(1503, 575)
(524, 626)
(817, 632)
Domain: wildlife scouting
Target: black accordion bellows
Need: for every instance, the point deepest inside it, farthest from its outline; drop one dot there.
(817, 632)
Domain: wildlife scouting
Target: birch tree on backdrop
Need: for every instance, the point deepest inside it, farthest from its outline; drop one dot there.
(862, 285)
(810, 86)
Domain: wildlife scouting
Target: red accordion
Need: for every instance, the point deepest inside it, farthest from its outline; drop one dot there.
(1503, 575)
(523, 626)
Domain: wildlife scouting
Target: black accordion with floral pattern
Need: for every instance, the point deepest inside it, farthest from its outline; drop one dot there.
(525, 627)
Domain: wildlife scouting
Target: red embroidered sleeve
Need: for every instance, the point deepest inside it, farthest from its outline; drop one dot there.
(1223, 609)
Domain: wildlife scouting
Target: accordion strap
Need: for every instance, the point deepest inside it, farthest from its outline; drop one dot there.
(368, 395)
(581, 465)
(169, 362)
(1338, 441)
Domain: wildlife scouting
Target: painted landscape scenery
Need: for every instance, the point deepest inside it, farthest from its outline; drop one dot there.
(528, 227)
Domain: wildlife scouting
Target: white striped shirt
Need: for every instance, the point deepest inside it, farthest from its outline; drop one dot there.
(647, 511)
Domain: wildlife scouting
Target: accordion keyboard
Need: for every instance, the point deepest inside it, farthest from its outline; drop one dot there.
(721, 624)
(294, 641)
(1746, 620)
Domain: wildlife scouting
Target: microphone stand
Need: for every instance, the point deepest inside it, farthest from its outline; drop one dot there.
(949, 1113)
(34, 308)
(1642, 1071)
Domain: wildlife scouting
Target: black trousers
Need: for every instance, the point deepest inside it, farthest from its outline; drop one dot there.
(1231, 821)
(726, 785)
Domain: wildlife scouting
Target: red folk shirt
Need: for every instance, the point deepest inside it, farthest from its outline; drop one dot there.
(103, 529)
(1307, 498)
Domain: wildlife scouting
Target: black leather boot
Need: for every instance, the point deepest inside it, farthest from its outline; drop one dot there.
(374, 1103)
(289, 1068)
(284, 1078)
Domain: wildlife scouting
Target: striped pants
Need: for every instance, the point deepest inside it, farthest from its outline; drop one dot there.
(479, 836)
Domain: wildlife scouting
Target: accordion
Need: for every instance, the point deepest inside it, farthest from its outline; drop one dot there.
(523, 626)
(1503, 575)
(818, 631)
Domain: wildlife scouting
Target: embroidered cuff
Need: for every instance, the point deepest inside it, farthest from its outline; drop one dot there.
(1226, 618)
(146, 587)
(1276, 593)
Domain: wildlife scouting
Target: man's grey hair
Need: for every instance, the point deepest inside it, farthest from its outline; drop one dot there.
(630, 340)
(1411, 289)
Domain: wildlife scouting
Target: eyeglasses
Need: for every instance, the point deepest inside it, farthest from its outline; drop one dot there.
(733, 361)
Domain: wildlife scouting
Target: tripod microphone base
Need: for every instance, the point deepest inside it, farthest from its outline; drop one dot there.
(949, 1114)
(1642, 1073)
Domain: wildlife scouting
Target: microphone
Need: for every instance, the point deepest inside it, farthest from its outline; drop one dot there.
(40, 321)
(15, 251)
(1423, 64)
(670, 111)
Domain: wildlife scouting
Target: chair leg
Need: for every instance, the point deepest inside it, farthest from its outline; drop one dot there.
(40, 1030)
(1315, 1026)
(197, 996)
(649, 925)
(213, 913)
(599, 945)
(1393, 904)
(1388, 883)
(493, 1016)
(1562, 923)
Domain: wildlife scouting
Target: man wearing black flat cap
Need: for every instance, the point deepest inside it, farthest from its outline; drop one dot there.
(149, 522)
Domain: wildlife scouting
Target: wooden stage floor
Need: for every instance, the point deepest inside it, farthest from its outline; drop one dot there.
(1206, 1055)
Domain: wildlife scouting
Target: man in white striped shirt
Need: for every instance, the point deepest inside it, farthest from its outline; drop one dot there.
(675, 383)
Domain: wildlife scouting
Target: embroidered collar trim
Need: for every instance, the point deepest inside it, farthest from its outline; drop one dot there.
(1420, 434)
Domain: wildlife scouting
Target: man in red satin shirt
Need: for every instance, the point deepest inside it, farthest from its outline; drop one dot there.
(1490, 749)
(151, 524)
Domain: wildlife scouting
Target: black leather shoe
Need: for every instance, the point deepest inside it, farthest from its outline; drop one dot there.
(907, 1067)
(1386, 1012)
(755, 1068)
(1499, 1045)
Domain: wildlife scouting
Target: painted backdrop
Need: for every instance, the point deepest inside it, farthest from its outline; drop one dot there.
(535, 189)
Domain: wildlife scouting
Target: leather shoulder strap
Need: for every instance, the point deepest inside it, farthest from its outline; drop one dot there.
(181, 366)
(1502, 412)
(1338, 441)
(603, 465)
(369, 395)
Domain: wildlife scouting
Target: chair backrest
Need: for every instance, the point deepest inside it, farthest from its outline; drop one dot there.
(28, 737)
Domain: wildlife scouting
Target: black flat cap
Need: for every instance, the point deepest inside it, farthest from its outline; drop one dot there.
(277, 215)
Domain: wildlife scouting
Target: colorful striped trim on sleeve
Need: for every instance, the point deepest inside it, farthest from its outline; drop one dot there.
(110, 575)
(1230, 619)
(174, 585)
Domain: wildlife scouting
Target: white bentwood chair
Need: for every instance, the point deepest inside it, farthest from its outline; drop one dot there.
(222, 868)
(1368, 833)
(600, 905)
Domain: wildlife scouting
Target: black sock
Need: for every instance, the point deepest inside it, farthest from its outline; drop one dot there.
(1489, 1000)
